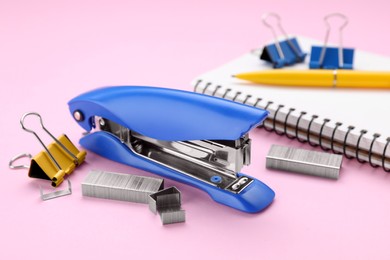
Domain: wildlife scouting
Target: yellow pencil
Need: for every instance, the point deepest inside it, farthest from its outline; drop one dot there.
(319, 78)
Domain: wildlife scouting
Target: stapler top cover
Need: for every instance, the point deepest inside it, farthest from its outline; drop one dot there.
(168, 114)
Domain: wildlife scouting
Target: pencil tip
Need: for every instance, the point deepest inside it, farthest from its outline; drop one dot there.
(233, 76)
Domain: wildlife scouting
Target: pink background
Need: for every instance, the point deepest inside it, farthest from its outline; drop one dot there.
(51, 51)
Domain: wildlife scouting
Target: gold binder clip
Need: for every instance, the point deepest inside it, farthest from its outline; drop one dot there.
(59, 158)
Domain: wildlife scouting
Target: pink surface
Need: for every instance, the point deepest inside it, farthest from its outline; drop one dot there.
(53, 50)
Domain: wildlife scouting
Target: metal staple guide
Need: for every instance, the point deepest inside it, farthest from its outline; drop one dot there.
(119, 186)
(168, 204)
(304, 161)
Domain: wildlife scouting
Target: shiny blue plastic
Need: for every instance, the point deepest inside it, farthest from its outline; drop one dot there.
(291, 51)
(331, 58)
(168, 114)
(172, 115)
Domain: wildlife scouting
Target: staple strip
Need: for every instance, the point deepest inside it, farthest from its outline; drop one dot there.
(119, 186)
(172, 216)
(168, 204)
(304, 161)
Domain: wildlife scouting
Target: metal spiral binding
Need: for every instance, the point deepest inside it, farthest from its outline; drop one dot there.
(226, 92)
(285, 124)
(274, 121)
(237, 94)
(215, 90)
(295, 135)
(326, 120)
(246, 99)
(205, 88)
(297, 127)
(350, 128)
(263, 125)
(197, 85)
(337, 124)
(362, 132)
(313, 117)
(384, 155)
(370, 151)
(258, 100)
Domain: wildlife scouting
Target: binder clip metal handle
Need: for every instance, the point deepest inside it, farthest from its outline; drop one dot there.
(332, 58)
(46, 196)
(40, 140)
(281, 53)
(16, 158)
(340, 52)
(56, 194)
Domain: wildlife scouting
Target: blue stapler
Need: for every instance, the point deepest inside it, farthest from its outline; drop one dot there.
(188, 137)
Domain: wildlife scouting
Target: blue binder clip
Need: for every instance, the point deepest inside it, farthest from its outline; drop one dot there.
(281, 53)
(332, 57)
(185, 136)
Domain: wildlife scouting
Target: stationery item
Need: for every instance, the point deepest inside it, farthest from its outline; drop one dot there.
(56, 194)
(172, 216)
(119, 186)
(304, 161)
(173, 133)
(168, 204)
(281, 53)
(59, 158)
(164, 199)
(319, 78)
(324, 57)
(334, 119)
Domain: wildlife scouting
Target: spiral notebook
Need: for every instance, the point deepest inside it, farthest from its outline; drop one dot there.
(353, 122)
